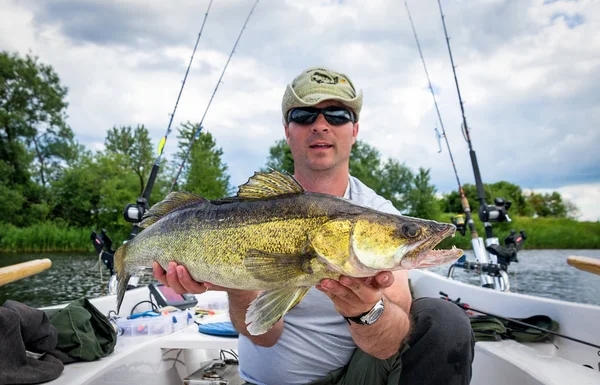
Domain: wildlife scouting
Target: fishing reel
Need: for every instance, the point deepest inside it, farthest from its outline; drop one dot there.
(135, 212)
(459, 222)
(496, 213)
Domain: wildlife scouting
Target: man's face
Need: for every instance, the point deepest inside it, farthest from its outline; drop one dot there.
(321, 146)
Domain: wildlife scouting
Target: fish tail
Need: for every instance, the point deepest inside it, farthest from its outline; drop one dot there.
(123, 276)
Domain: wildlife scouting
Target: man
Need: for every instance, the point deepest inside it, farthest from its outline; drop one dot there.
(351, 331)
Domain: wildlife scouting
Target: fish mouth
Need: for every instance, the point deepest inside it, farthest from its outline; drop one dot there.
(423, 253)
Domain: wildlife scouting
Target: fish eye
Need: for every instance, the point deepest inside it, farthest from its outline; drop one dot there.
(411, 230)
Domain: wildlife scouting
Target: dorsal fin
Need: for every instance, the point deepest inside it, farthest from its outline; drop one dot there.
(263, 185)
(177, 200)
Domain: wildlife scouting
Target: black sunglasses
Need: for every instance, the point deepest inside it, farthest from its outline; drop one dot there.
(333, 114)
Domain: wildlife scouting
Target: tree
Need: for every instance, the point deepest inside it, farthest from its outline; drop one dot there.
(77, 193)
(421, 197)
(510, 192)
(135, 147)
(365, 164)
(548, 205)
(396, 181)
(204, 171)
(32, 118)
(573, 211)
(35, 141)
(280, 158)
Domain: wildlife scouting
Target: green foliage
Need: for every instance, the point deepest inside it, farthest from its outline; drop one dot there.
(541, 205)
(135, 150)
(280, 158)
(421, 197)
(551, 205)
(77, 194)
(32, 116)
(11, 203)
(35, 141)
(204, 171)
(365, 164)
(44, 237)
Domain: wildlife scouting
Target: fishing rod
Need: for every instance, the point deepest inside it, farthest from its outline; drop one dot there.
(496, 213)
(463, 199)
(197, 134)
(134, 212)
(465, 306)
(486, 213)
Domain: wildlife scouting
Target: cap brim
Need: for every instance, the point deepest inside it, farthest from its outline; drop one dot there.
(291, 100)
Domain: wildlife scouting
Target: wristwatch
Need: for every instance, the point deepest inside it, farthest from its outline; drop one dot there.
(368, 317)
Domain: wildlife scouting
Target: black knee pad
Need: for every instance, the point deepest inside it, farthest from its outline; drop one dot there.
(440, 320)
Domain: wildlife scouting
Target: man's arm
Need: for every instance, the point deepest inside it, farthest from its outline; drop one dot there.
(179, 279)
(354, 296)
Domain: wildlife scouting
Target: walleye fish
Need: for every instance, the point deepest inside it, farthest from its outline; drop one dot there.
(276, 237)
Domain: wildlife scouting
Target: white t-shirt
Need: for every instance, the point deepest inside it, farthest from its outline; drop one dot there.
(316, 339)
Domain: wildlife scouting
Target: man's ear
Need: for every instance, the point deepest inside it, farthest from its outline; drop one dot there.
(355, 132)
(287, 133)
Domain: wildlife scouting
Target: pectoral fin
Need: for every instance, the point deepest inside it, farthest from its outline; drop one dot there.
(277, 267)
(270, 306)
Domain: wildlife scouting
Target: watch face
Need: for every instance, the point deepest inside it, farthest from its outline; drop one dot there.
(374, 314)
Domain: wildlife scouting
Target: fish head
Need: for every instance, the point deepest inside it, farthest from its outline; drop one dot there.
(393, 242)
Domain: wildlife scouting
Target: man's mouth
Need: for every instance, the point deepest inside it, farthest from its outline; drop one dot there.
(321, 145)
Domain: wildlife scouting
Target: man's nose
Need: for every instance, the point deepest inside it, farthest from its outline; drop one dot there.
(320, 124)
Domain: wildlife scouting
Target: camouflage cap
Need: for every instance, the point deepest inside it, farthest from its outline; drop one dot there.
(317, 84)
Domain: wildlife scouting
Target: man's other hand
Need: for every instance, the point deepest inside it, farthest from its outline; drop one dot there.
(354, 296)
(179, 279)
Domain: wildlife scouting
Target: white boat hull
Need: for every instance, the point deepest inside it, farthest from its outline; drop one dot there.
(510, 362)
(167, 359)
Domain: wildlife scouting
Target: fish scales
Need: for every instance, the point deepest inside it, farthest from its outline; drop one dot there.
(212, 241)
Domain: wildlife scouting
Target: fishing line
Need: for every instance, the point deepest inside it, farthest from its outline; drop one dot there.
(163, 141)
(464, 201)
(465, 306)
(437, 109)
(211, 99)
(145, 198)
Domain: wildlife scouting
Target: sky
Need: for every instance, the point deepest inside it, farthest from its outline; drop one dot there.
(528, 70)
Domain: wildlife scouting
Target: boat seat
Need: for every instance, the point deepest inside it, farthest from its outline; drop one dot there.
(510, 362)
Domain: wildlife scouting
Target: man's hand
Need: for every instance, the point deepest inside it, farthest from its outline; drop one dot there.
(179, 279)
(354, 296)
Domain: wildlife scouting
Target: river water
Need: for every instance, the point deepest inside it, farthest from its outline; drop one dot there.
(542, 273)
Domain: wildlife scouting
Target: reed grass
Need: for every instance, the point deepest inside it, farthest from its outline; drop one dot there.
(49, 237)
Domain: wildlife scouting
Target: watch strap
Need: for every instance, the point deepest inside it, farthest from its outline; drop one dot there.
(358, 319)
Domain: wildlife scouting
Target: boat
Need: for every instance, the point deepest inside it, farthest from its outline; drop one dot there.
(171, 357)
